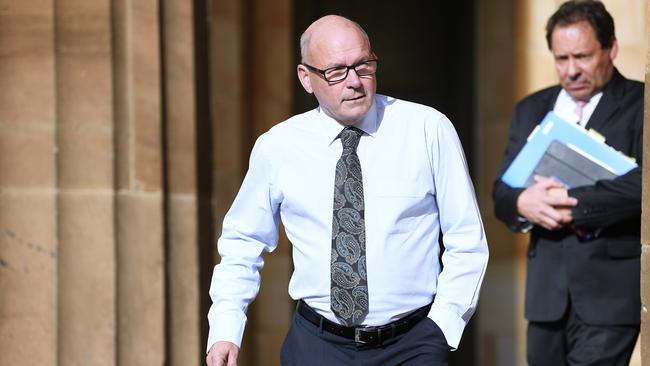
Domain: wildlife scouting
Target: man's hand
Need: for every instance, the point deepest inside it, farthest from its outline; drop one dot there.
(546, 203)
(565, 211)
(222, 354)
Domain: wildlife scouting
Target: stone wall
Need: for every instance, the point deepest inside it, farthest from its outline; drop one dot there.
(98, 198)
(645, 212)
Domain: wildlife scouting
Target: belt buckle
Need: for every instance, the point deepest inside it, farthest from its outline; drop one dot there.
(357, 335)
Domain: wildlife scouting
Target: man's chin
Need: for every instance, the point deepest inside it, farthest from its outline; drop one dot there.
(579, 94)
(357, 112)
(582, 92)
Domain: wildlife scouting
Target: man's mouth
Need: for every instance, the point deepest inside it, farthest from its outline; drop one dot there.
(574, 85)
(354, 98)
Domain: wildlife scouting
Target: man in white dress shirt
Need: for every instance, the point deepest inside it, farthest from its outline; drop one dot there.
(381, 296)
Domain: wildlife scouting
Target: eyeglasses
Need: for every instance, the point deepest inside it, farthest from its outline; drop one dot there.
(339, 73)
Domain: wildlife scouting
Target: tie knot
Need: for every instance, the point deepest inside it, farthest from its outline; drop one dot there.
(350, 138)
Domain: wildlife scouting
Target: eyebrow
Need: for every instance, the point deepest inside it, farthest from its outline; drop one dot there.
(362, 59)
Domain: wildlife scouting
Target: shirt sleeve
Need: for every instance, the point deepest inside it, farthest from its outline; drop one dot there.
(250, 228)
(465, 246)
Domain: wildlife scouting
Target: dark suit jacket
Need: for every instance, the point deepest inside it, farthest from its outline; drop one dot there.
(600, 278)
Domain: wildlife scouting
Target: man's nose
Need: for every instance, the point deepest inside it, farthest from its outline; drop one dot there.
(573, 69)
(353, 80)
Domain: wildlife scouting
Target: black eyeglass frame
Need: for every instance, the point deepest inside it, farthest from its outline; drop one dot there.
(347, 71)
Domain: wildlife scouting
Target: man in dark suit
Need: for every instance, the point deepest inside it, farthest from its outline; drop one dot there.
(583, 280)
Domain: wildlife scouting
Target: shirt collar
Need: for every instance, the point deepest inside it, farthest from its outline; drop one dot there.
(565, 98)
(332, 128)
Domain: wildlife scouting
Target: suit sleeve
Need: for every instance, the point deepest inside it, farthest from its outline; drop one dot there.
(610, 202)
(505, 197)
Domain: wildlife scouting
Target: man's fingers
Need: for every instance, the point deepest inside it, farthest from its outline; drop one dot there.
(232, 357)
(561, 201)
(551, 218)
(549, 223)
(555, 218)
(546, 222)
(546, 204)
(547, 182)
(567, 216)
(223, 353)
(232, 360)
(216, 360)
(213, 360)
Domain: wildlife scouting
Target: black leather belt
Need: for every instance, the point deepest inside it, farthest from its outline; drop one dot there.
(364, 335)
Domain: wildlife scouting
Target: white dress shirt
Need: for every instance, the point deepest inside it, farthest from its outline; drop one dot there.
(565, 105)
(416, 185)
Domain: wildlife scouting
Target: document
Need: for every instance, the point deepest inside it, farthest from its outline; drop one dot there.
(567, 152)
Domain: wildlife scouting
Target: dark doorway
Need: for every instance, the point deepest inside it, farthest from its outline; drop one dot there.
(426, 52)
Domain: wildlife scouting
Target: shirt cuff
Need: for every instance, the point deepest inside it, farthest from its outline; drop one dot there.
(225, 328)
(450, 323)
(524, 225)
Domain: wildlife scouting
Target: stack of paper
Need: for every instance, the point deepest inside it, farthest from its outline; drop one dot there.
(568, 153)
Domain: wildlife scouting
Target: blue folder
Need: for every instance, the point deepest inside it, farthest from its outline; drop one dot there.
(564, 150)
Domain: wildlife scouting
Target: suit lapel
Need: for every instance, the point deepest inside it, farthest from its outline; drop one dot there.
(608, 104)
(546, 104)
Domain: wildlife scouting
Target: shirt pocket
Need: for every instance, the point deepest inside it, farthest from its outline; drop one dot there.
(400, 205)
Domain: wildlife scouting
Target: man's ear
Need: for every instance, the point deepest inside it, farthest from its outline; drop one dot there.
(303, 76)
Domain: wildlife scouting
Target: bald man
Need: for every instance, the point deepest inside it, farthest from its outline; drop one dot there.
(365, 185)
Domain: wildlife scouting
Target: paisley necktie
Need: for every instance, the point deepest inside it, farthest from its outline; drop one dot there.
(349, 286)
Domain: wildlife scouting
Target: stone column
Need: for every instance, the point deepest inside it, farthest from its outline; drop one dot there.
(28, 176)
(99, 254)
(84, 136)
(139, 216)
(182, 256)
(645, 210)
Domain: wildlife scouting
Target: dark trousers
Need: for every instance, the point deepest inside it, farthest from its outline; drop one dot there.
(570, 341)
(307, 344)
